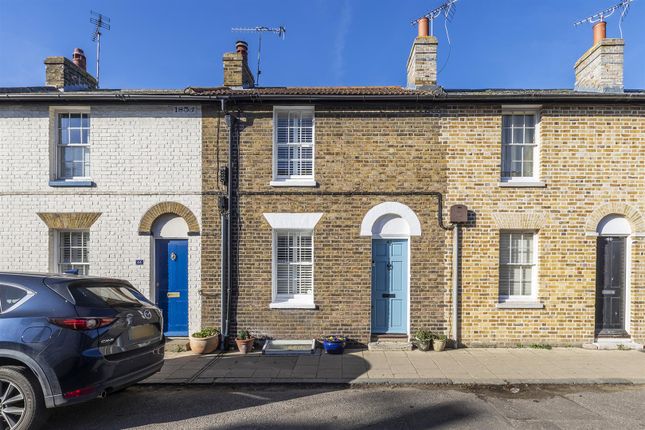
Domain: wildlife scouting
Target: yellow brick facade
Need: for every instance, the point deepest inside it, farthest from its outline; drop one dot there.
(591, 164)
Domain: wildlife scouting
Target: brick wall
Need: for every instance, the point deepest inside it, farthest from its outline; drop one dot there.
(590, 161)
(590, 156)
(141, 155)
(367, 149)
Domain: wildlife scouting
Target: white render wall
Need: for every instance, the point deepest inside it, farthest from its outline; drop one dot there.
(141, 155)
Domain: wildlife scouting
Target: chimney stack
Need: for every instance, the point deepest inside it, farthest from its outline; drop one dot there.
(422, 62)
(236, 67)
(64, 74)
(600, 69)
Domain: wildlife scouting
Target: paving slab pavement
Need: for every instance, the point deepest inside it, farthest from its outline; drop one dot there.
(472, 366)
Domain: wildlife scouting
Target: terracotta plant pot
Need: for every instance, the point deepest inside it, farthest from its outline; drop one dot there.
(438, 345)
(204, 345)
(245, 345)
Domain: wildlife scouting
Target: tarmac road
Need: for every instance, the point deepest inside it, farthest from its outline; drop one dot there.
(378, 407)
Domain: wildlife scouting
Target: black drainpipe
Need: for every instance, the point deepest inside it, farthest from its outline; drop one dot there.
(231, 123)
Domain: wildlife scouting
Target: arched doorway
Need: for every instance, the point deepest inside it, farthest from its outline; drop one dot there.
(170, 250)
(613, 266)
(390, 225)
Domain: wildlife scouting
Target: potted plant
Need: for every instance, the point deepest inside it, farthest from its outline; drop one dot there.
(204, 341)
(439, 342)
(423, 339)
(334, 344)
(244, 341)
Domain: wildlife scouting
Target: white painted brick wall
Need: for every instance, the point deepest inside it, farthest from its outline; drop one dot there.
(141, 155)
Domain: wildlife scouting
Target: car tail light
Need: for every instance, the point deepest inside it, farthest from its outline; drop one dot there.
(82, 323)
(78, 393)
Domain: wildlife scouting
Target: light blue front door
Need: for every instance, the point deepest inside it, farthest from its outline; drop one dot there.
(390, 286)
(172, 285)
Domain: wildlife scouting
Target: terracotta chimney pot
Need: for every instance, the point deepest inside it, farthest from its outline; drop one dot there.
(599, 31)
(424, 27)
(78, 57)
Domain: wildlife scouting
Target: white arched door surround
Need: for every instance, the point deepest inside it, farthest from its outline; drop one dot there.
(390, 220)
(390, 225)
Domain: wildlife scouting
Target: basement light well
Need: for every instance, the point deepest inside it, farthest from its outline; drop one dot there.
(289, 347)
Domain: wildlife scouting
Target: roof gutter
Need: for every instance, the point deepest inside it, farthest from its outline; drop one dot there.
(447, 97)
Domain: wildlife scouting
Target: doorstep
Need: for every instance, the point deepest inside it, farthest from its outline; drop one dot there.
(613, 343)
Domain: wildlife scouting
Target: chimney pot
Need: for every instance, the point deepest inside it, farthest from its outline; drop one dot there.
(241, 47)
(78, 57)
(599, 31)
(424, 26)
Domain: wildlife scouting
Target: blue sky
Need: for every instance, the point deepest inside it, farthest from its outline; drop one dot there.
(174, 44)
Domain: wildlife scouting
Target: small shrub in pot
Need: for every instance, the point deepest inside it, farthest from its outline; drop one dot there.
(423, 339)
(244, 341)
(439, 342)
(204, 341)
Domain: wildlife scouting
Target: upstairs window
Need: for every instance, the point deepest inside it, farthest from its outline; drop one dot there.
(73, 251)
(293, 267)
(73, 146)
(293, 146)
(519, 146)
(517, 265)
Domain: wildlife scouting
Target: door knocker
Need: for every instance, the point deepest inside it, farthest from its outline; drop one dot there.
(173, 256)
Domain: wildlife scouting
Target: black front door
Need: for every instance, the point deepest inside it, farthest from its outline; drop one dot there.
(610, 286)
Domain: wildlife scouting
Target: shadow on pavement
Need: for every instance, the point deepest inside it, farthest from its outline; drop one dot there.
(284, 407)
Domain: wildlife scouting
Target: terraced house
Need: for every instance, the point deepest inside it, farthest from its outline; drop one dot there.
(496, 217)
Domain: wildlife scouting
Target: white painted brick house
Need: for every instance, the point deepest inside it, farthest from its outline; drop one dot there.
(76, 191)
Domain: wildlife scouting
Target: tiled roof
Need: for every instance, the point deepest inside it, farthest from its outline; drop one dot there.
(315, 91)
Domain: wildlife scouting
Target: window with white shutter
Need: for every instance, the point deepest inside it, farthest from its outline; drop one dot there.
(293, 272)
(293, 154)
(73, 251)
(520, 156)
(517, 265)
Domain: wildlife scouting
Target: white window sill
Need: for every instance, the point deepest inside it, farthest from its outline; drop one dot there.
(294, 183)
(522, 184)
(517, 304)
(292, 305)
(71, 183)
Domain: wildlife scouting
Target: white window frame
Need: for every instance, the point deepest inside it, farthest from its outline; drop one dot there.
(533, 297)
(293, 180)
(57, 245)
(291, 301)
(58, 161)
(535, 111)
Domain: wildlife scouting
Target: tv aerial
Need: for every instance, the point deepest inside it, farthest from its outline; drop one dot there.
(280, 31)
(600, 16)
(101, 22)
(447, 10)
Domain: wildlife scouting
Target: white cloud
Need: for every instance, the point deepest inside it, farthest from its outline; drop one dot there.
(344, 22)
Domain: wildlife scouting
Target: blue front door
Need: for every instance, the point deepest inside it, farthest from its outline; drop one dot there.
(172, 284)
(389, 286)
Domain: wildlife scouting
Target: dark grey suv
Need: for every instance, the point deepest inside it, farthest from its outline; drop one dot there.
(68, 339)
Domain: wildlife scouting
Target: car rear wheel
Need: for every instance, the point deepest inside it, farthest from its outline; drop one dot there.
(22, 405)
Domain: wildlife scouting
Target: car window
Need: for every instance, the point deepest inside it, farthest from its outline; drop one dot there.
(10, 296)
(102, 295)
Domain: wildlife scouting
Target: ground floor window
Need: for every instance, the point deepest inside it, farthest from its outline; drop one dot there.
(293, 267)
(517, 265)
(73, 251)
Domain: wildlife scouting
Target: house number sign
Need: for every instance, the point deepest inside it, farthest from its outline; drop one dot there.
(185, 109)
